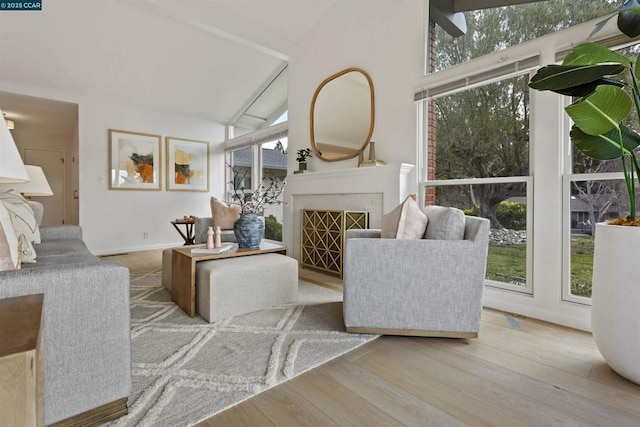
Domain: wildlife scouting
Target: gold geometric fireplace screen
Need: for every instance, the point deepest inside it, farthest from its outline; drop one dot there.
(323, 236)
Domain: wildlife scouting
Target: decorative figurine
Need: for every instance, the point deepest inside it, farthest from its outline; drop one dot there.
(218, 243)
(210, 238)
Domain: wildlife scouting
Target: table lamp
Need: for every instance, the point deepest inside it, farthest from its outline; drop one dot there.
(37, 185)
(11, 167)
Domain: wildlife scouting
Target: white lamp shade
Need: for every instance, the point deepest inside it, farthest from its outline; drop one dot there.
(37, 185)
(11, 166)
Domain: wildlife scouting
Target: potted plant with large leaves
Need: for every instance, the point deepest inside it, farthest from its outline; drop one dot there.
(596, 76)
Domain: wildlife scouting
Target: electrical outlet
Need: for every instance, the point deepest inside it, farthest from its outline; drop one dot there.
(145, 235)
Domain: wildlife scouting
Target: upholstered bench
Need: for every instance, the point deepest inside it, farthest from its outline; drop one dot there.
(233, 286)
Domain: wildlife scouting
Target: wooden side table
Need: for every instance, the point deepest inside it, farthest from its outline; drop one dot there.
(188, 235)
(21, 361)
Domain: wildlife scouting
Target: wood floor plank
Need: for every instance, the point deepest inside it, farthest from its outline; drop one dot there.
(343, 406)
(540, 329)
(284, 406)
(243, 414)
(403, 406)
(541, 350)
(603, 374)
(425, 354)
(590, 394)
(565, 407)
(412, 379)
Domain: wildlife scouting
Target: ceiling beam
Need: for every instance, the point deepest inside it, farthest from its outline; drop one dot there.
(455, 24)
(454, 6)
(174, 14)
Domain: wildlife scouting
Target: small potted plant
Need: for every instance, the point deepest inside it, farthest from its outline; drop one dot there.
(301, 158)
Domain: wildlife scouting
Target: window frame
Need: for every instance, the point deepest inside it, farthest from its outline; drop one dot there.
(548, 137)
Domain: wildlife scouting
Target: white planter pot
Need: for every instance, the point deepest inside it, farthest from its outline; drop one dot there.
(615, 311)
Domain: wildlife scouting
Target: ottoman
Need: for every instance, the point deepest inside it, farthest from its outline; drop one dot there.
(232, 286)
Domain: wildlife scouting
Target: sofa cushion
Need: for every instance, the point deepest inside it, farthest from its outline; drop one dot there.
(62, 252)
(406, 222)
(444, 223)
(24, 224)
(38, 211)
(9, 258)
(223, 215)
(22, 216)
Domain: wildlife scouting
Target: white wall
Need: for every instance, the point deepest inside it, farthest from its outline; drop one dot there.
(385, 39)
(113, 221)
(116, 220)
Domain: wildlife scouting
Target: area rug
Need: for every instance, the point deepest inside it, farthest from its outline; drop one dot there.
(186, 370)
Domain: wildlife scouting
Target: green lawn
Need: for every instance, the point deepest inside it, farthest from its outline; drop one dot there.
(581, 265)
(507, 263)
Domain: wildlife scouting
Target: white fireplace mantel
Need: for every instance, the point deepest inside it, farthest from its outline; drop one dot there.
(376, 189)
(394, 181)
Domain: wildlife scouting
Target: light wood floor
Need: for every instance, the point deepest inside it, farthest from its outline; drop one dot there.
(519, 372)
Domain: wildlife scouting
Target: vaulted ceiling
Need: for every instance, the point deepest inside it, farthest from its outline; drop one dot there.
(193, 57)
(205, 58)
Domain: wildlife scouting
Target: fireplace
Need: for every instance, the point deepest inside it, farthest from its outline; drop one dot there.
(375, 189)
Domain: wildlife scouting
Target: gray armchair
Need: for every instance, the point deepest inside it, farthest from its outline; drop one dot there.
(415, 287)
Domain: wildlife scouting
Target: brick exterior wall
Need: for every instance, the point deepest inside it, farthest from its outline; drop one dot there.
(430, 192)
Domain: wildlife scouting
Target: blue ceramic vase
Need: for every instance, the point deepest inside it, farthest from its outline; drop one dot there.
(248, 230)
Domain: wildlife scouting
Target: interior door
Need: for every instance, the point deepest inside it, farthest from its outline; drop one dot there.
(52, 164)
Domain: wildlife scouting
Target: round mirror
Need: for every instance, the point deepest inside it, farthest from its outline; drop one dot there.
(342, 111)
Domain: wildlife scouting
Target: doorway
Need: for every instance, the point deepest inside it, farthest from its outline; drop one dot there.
(52, 163)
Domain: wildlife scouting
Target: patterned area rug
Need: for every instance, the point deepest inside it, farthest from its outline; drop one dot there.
(186, 370)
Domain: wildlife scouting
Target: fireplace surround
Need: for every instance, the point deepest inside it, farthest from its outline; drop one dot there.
(376, 190)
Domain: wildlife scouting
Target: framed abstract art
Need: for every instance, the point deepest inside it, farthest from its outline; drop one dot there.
(187, 164)
(134, 161)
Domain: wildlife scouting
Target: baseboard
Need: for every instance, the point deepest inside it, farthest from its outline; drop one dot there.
(97, 416)
(412, 332)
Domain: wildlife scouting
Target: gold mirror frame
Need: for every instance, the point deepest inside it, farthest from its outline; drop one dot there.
(312, 119)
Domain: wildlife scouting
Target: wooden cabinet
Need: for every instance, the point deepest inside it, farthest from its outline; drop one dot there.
(21, 361)
(323, 234)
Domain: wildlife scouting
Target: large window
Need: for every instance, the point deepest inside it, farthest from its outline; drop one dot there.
(274, 167)
(492, 30)
(495, 149)
(255, 161)
(481, 165)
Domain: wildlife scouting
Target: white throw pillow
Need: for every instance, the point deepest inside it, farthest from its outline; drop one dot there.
(24, 224)
(405, 222)
(22, 216)
(9, 257)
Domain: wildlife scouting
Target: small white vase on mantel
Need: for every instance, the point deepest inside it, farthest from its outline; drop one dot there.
(615, 298)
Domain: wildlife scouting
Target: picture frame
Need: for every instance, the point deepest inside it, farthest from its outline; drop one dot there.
(135, 161)
(187, 164)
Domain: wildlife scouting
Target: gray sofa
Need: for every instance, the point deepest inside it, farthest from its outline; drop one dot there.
(87, 335)
(423, 287)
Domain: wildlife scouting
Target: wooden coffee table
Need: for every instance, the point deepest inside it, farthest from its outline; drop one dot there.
(183, 270)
